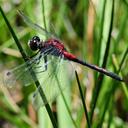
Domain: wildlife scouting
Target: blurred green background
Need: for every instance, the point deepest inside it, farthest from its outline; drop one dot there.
(95, 31)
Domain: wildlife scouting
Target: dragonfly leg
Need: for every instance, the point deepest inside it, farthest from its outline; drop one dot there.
(45, 61)
(38, 59)
(29, 58)
(33, 55)
(45, 65)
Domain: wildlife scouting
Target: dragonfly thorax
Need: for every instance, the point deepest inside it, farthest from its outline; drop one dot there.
(35, 43)
(56, 43)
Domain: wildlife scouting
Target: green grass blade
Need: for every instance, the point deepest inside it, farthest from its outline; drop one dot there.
(101, 76)
(111, 92)
(33, 74)
(82, 98)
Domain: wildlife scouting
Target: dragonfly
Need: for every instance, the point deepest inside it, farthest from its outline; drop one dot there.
(51, 51)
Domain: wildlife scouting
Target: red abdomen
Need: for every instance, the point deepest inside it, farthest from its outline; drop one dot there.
(69, 55)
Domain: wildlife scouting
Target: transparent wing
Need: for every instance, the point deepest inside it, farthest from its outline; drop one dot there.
(56, 77)
(35, 26)
(57, 81)
(23, 73)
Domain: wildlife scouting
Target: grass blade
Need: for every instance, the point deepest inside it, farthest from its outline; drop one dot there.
(82, 98)
(33, 74)
(101, 76)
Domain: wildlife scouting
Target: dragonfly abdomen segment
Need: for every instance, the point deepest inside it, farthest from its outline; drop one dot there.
(101, 70)
(69, 56)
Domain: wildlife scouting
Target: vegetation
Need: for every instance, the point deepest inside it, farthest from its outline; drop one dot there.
(95, 32)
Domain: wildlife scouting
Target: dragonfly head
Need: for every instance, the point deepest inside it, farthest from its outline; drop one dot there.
(34, 43)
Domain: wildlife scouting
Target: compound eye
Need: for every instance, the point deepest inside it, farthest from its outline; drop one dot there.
(34, 43)
(36, 39)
